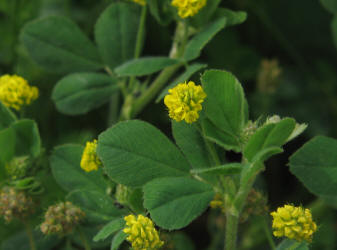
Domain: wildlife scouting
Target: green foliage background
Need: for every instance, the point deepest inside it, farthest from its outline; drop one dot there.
(300, 34)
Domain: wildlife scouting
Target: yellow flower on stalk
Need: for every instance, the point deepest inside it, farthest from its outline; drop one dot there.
(184, 101)
(188, 8)
(293, 222)
(141, 233)
(90, 160)
(15, 92)
(141, 2)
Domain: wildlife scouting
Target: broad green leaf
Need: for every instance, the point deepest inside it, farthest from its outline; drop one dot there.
(118, 240)
(315, 165)
(227, 169)
(7, 144)
(98, 207)
(28, 140)
(232, 17)
(190, 70)
(80, 93)
(109, 229)
(270, 135)
(266, 153)
(7, 117)
(135, 152)
(65, 164)
(175, 202)
(116, 33)
(199, 41)
(20, 241)
(221, 138)
(226, 106)
(330, 5)
(161, 10)
(288, 244)
(58, 45)
(191, 143)
(144, 66)
(205, 13)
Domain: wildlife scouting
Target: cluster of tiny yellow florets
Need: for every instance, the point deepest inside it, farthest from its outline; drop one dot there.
(184, 102)
(293, 222)
(90, 160)
(187, 8)
(141, 233)
(14, 204)
(61, 218)
(141, 2)
(15, 92)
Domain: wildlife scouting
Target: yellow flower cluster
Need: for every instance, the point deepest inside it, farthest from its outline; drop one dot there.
(293, 222)
(90, 160)
(141, 233)
(141, 2)
(187, 8)
(15, 91)
(184, 102)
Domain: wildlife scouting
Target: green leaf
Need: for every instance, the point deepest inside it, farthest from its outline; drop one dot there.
(205, 13)
(288, 244)
(270, 135)
(199, 41)
(135, 152)
(175, 202)
(118, 240)
(161, 10)
(7, 117)
(330, 5)
(20, 241)
(191, 143)
(28, 140)
(109, 229)
(226, 106)
(144, 66)
(227, 169)
(80, 93)
(232, 17)
(221, 138)
(65, 164)
(98, 207)
(58, 45)
(190, 70)
(7, 144)
(315, 165)
(116, 33)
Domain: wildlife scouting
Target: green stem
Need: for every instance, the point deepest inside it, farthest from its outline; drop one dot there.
(268, 234)
(113, 108)
(84, 239)
(231, 231)
(30, 235)
(178, 48)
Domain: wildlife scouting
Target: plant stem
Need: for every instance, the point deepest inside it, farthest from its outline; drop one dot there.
(268, 234)
(84, 239)
(178, 48)
(30, 235)
(231, 231)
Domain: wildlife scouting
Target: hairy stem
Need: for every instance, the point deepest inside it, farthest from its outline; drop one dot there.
(30, 235)
(231, 231)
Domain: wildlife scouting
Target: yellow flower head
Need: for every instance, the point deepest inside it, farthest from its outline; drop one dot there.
(293, 222)
(15, 91)
(141, 233)
(90, 161)
(141, 2)
(184, 102)
(187, 8)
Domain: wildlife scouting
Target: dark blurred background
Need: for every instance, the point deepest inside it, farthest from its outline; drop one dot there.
(284, 55)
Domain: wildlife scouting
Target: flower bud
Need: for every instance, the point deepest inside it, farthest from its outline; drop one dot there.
(17, 167)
